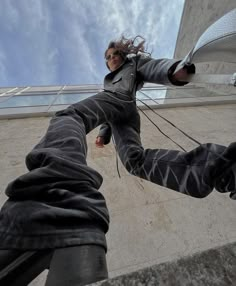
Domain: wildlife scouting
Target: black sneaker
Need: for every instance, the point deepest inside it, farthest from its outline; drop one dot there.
(226, 180)
(233, 195)
(226, 183)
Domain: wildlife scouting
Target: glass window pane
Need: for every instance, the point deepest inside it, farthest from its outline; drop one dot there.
(27, 100)
(3, 99)
(155, 93)
(9, 90)
(71, 98)
(141, 95)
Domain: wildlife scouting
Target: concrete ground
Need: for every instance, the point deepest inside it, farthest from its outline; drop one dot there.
(216, 267)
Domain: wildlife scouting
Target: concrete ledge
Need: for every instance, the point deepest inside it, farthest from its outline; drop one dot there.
(212, 267)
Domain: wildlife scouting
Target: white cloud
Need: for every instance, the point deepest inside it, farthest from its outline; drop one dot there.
(114, 18)
(66, 39)
(29, 28)
(3, 71)
(9, 12)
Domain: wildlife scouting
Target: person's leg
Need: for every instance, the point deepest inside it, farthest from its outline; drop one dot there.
(77, 266)
(57, 203)
(19, 268)
(193, 173)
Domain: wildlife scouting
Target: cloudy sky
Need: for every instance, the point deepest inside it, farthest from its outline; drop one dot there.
(57, 42)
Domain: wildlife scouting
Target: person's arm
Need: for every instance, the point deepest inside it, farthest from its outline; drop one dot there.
(161, 71)
(104, 135)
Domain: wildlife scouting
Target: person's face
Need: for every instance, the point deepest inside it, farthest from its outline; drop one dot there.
(113, 59)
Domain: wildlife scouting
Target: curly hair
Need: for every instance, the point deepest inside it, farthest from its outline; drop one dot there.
(128, 46)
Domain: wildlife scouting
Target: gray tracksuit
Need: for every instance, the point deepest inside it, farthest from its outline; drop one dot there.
(57, 203)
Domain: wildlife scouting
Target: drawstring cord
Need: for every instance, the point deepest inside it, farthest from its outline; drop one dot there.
(184, 133)
(162, 132)
(159, 129)
(117, 162)
(165, 119)
(168, 121)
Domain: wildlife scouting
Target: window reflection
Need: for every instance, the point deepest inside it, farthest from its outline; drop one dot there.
(49, 99)
(71, 98)
(27, 100)
(155, 95)
(4, 99)
(176, 93)
(141, 95)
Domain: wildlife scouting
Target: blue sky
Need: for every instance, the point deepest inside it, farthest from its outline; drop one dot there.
(57, 42)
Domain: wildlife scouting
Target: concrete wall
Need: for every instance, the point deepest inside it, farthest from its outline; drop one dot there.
(197, 17)
(149, 224)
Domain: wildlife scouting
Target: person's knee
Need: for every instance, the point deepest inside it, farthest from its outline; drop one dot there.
(66, 112)
(133, 162)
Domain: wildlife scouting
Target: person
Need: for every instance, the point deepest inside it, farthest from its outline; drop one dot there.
(57, 203)
(217, 163)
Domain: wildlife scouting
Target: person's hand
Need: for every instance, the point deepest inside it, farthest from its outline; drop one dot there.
(180, 75)
(99, 142)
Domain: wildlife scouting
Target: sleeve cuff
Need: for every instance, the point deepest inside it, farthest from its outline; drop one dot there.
(190, 69)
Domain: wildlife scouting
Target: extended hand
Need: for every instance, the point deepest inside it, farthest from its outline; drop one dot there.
(180, 75)
(99, 142)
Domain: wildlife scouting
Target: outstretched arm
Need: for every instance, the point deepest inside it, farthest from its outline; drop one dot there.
(161, 71)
